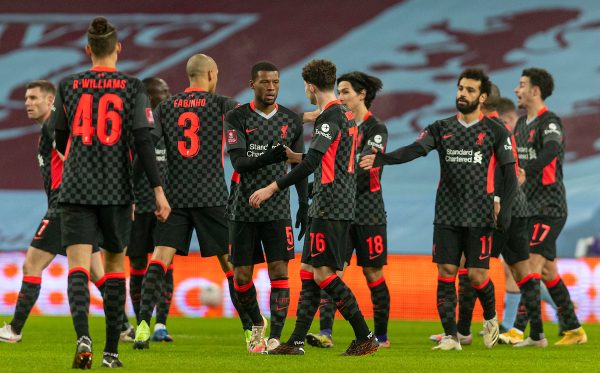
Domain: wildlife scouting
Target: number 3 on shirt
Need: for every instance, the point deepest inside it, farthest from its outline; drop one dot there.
(191, 124)
(108, 110)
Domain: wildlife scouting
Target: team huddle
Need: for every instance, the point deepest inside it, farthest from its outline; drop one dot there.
(130, 169)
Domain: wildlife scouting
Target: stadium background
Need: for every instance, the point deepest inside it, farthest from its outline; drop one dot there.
(417, 47)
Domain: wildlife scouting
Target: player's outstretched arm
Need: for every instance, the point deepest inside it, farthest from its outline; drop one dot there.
(398, 156)
(241, 163)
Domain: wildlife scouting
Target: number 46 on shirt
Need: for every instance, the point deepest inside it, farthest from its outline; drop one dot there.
(109, 106)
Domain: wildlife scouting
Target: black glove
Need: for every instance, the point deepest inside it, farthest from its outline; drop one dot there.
(310, 189)
(272, 155)
(302, 219)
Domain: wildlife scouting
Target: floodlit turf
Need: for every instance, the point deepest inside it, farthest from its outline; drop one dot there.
(217, 345)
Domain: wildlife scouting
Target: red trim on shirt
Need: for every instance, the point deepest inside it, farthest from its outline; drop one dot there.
(542, 111)
(549, 173)
(235, 177)
(328, 161)
(491, 174)
(493, 114)
(334, 102)
(194, 89)
(104, 69)
(56, 169)
(367, 116)
(223, 143)
(374, 183)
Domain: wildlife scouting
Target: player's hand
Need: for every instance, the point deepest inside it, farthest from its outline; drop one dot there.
(292, 157)
(496, 210)
(310, 116)
(503, 220)
(262, 195)
(521, 177)
(273, 154)
(302, 219)
(367, 161)
(163, 209)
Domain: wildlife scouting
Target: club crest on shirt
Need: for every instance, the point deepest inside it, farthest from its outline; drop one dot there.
(480, 138)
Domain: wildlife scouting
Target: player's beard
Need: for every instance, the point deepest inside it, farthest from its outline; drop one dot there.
(469, 108)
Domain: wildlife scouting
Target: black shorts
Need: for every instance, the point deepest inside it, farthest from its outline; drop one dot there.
(370, 242)
(141, 242)
(450, 242)
(47, 236)
(326, 243)
(514, 244)
(245, 240)
(543, 232)
(210, 225)
(84, 224)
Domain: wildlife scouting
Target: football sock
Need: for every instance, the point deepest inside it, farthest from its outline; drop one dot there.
(30, 291)
(164, 303)
(78, 293)
(279, 302)
(347, 305)
(380, 297)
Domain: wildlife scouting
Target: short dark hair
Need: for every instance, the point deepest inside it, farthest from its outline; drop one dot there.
(102, 37)
(321, 73)
(477, 74)
(541, 79)
(43, 85)
(361, 81)
(151, 80)
(262, 66)
(491, 102)
(505, 106)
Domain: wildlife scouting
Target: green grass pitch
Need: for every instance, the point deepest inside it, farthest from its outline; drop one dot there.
(217, 345)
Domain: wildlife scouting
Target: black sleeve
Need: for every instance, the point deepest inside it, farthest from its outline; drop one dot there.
(146, 157)
(509, 191)
(59, 123)
(298, 147)
(61, 138)
(548, 153)
(402, 155)
(498, 181)
(308, 165)
(241, 163)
